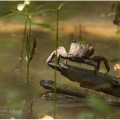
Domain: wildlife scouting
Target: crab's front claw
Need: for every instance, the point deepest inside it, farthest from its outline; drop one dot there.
(52, 55)
(61, 52)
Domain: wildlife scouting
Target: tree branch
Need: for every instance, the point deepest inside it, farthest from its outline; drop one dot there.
(106, 83)
(78, 92)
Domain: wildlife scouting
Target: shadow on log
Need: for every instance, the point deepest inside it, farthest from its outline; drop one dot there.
(106, 83)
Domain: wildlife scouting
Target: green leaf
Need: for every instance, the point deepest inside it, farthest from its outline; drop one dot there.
(63, 3)
(37, 13)
(36, 8)
(45, 26)
(112, 14)
(33, 51)
(34, 43)
(20, 7)
(99, 105)
(9, 13)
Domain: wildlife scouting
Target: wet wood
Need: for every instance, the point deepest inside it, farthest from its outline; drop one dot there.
(106, 83)
(81, 92)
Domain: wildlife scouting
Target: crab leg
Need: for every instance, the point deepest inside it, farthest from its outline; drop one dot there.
(61, 52)
(92, 63)
(98, 59)
(52, 55)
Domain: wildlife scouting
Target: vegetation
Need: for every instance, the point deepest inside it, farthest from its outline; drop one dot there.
(116, 12)
(29, 44)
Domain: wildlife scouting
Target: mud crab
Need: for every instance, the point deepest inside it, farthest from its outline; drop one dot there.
(79, 53)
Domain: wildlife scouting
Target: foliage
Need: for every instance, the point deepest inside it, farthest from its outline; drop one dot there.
(99, 105)
(96, 104)
(30, 47)
(29, 14)
(85, 114)
(116, 20)
(57, 9)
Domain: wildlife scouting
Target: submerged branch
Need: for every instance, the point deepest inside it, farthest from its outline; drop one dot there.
(106, 83)
(80, 92)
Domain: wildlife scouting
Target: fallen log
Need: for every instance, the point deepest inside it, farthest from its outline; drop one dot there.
(106, 83)
(78, 92)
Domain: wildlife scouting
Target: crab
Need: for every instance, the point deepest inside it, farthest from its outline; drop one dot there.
(79, 53)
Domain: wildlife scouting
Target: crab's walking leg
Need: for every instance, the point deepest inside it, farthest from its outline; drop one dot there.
(61, 52)
(52, 55)
(92, 63)
(98, 59)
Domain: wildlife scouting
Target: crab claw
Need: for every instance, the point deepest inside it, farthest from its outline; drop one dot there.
(52, 55)
(61, 52)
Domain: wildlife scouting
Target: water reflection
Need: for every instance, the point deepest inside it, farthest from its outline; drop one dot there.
(75, 111)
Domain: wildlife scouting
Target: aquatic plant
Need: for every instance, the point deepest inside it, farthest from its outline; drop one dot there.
(116, 12)
(29, 14)
(57, 10)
